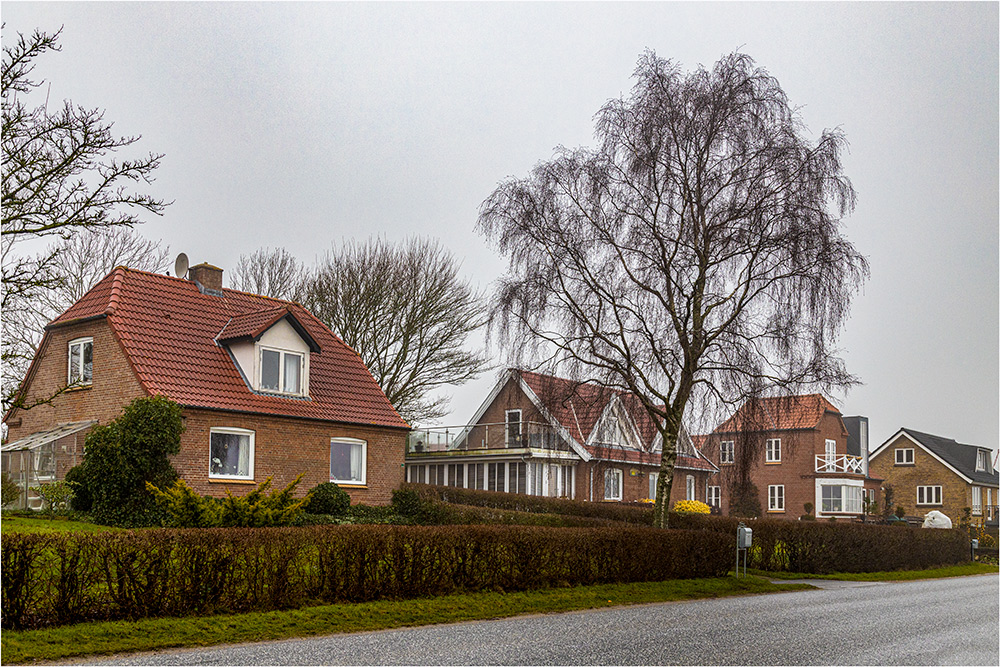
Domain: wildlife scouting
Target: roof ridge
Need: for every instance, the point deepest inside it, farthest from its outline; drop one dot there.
(116, 289)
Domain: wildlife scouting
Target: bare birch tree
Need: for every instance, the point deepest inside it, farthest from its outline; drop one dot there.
(59, 179)
(694, 257)
(407, 313)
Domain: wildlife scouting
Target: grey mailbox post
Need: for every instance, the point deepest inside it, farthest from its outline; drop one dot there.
(744, 538)
(975, 545)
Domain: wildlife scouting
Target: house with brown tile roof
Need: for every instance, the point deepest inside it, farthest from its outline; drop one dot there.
(543, 435)
(267, 390)
(796, 450)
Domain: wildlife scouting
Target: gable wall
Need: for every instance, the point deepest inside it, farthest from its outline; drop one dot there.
(114, 383)
(490, 429)
(285, 447)
(956, 493)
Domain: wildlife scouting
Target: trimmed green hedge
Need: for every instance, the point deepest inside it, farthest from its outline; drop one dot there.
(640, 514)
(69, 578)
(821, 547)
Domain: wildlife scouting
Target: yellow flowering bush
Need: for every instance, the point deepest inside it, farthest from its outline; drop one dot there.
(691, 507)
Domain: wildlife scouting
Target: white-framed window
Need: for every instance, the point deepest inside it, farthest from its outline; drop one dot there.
(727, 451)
(689, 487)
(773, 454)
(512, 430)
(653, 479)
(776, 498)
(832, 498)
(81, 361)
(904, 456)
(982, 460)
(349, 461)
(713, 496)
(281, 371)
(977, 500)
(929, 495)
(841, 498)
(517, 477)
(230, 453)
(613, 484)
(830, 456)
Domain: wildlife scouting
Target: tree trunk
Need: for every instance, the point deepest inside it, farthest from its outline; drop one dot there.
(665, 481)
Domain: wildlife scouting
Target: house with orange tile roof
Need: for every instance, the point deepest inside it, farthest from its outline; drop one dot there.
(548, 436)
(267, 390)
(797, 451)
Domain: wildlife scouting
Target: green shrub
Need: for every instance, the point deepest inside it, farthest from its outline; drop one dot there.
(81, 500)
(121, 456)
(56, 495)
(10, 492)
(328, 498)
(183, 508)
(68, 578)
(641, 514)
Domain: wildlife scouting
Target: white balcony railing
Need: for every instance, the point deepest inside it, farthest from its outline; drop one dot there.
(485, 436)
(840, 463)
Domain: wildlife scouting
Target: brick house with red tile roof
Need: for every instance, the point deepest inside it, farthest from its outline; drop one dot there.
(803, 450)
(266, 389)
(543, 435)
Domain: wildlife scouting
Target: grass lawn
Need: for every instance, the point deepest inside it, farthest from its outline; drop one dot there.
(900, 575)
(43, 524)
(117, 637)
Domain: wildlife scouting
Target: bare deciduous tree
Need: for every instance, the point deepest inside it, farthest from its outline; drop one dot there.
(407, 313)
(275, 273)
(693, 258)
(58, 179)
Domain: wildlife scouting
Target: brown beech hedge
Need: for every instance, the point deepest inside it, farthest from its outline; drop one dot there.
(823, 547)
(68, 578)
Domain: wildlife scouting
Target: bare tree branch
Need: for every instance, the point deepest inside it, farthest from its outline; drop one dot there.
(405, 310)
(693, 257)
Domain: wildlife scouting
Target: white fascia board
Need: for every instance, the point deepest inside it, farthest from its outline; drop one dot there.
(921, 445)
(560, 429)
(615, 410)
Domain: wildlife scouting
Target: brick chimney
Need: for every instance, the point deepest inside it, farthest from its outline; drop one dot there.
(208, 276)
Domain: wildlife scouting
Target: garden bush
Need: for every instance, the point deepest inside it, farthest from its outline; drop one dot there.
(65, 578)
(819, 547)
(120, 457)
(635, 514)
(183, 508)
(691, 507)
(328, 498)
(56, 495)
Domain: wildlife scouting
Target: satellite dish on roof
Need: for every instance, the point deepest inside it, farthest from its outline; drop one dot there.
(181, 266)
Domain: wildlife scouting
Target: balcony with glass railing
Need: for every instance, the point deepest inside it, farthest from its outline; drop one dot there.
(843, 463)
(474, 437)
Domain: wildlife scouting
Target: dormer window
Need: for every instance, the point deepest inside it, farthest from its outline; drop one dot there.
(81, 361)
(281, 371)
(982, 460)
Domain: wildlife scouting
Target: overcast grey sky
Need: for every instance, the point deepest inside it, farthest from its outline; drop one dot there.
(302, 125)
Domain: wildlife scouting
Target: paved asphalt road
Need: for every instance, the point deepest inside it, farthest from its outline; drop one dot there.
(936, 622)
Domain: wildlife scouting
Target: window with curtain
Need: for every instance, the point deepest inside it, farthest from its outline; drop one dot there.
(280, 371)
(689, 488)
(348, 461)
(231, 453)
(81, 361)
(613, 484)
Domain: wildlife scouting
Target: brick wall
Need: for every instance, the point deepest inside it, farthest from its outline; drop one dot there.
(285, 447)
(796, 470)
(956, 493)
(114, 384)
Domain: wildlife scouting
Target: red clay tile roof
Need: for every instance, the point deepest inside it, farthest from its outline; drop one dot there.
(578, 407)
(780, 413)
(168, 329)
(251, 324)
